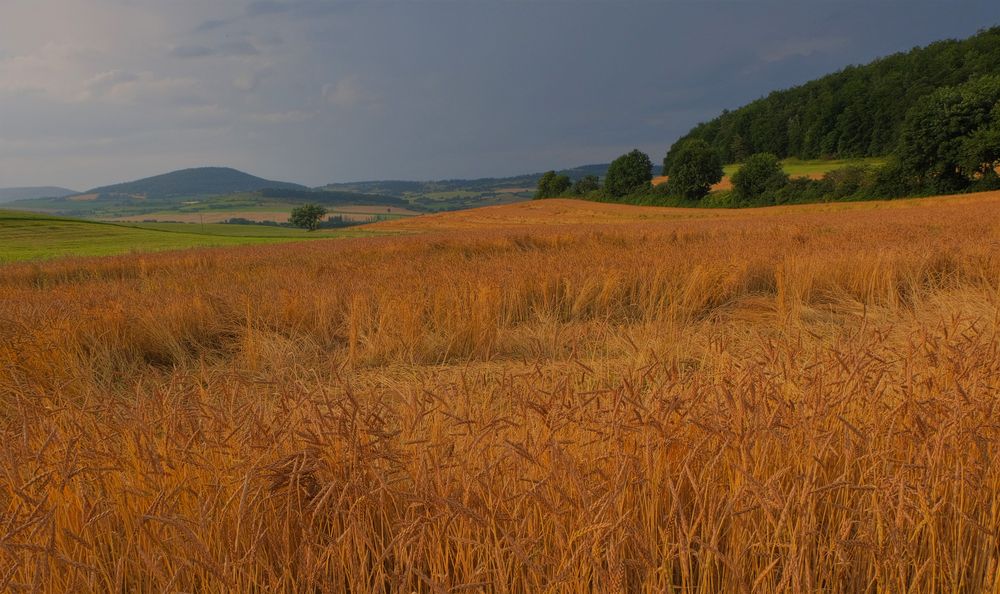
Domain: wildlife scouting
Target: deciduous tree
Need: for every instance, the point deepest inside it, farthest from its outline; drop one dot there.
(307, 216)
(759, 176)
(694, 168)
(552, 185)
(629, 173)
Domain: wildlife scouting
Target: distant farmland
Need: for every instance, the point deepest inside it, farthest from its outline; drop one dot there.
(362, 213)
(28, 236)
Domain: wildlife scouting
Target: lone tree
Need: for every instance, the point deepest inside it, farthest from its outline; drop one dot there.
(307, 216)
(552, 185)
(628, 173)
(760, 175)
(692, 169)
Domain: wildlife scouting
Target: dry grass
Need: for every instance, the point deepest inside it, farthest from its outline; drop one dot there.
(772, 401)
(553, 213)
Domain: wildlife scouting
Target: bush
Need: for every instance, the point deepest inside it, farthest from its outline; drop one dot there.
(552, 185)
(848, 182)
(987, 183)
(802, 190)
(758, 179)
(892, 181)
(586, 185)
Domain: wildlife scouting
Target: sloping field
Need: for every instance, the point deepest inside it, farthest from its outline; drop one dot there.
(559, 212)
(585, 398)
(29, 236)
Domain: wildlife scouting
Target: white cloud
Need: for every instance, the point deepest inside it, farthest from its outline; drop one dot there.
(51, 71)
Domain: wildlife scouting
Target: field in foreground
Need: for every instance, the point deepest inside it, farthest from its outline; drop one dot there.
(30, 236)
(779, 400)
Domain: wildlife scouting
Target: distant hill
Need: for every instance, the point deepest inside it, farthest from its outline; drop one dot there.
(211, 188)
(458, 194)
(857, 112)
(201, 181)
(484, 184)
(11, 194)
(334, 198)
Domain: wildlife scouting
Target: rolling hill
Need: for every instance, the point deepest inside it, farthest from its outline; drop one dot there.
(200, 181)
(200, 189)
(12, 194)
(857, 112)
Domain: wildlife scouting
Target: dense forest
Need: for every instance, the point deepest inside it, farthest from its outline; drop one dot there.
(857, 112)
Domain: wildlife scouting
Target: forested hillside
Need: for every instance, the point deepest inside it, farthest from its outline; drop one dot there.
(200, 181)
(857, 112)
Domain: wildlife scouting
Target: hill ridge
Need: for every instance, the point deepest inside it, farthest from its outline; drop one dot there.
(31, 192)
(195, 181)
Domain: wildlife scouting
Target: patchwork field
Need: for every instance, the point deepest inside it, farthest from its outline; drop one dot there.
(29, 236)
(553, 396)
(349, 213)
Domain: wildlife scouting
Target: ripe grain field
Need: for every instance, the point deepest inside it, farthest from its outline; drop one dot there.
(781, 400)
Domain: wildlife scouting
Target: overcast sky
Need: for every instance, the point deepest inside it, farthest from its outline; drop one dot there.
(314, 91)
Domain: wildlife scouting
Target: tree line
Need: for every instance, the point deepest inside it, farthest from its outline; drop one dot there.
(946, 141)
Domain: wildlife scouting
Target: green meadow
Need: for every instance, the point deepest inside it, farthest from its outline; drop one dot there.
(29, 236)
(812, 167)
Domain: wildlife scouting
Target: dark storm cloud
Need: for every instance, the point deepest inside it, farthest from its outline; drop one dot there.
(319, 90)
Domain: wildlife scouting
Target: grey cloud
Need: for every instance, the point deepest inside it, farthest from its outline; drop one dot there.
(247, 81)
(227, 49)
(265, 7)
(211, 25)
(106, 81)
(191, 51)
(238, 48)
(299, 8)
(326, 90)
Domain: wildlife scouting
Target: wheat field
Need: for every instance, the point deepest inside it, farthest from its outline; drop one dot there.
(781, 400)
